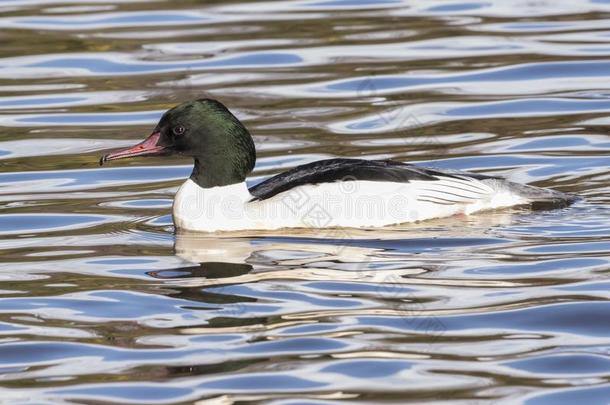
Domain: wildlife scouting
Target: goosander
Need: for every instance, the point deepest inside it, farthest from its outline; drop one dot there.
(331, 193)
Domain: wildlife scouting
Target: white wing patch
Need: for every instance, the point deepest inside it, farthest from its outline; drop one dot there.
(453, 190)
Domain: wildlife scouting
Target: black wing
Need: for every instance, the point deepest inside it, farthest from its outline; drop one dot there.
(331, 170)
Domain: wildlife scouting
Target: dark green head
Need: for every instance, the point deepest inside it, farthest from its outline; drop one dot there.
(205, 129)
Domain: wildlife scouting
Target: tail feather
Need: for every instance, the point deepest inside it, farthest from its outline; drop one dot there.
(540, 198)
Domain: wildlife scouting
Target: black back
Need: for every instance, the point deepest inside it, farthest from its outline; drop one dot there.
(331, 170)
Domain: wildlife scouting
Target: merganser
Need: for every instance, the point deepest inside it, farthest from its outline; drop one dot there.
(331, 193)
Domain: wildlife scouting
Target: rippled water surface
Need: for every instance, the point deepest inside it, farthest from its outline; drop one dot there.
(101, 302)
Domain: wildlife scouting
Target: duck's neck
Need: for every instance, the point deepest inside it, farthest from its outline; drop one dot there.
(208, 173)
(216, 195)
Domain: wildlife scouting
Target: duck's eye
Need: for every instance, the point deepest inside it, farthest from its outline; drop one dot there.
(179, 130)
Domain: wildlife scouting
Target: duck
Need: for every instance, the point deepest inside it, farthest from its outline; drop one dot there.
(332, 193)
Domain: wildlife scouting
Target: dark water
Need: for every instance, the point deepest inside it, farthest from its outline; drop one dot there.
(102, 303)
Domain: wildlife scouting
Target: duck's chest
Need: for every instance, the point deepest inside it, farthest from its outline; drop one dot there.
(210, 209)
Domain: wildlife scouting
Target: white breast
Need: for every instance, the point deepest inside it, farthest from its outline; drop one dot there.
(210, 209)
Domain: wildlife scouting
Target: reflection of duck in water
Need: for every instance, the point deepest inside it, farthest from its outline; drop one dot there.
(324, 194)
(220, 265)
(305, 247)
(388, 255)
(250, 257)
(266, 249)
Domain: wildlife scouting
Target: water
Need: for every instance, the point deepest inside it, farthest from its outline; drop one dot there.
(102, 303)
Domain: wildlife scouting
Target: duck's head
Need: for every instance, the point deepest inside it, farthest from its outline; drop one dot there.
(206, 130)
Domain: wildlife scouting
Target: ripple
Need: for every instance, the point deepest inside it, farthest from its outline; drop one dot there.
(409, 116)
(564, 364)
(57, 146)
(72, 180)
(106, 20)
(94, 306)
(530, 78)
(109, 64)
(80, 119)
(593, 395)
(62, 100)
(576, 318)
(35, 223)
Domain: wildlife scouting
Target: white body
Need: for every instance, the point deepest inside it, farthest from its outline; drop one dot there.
(338, 204)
